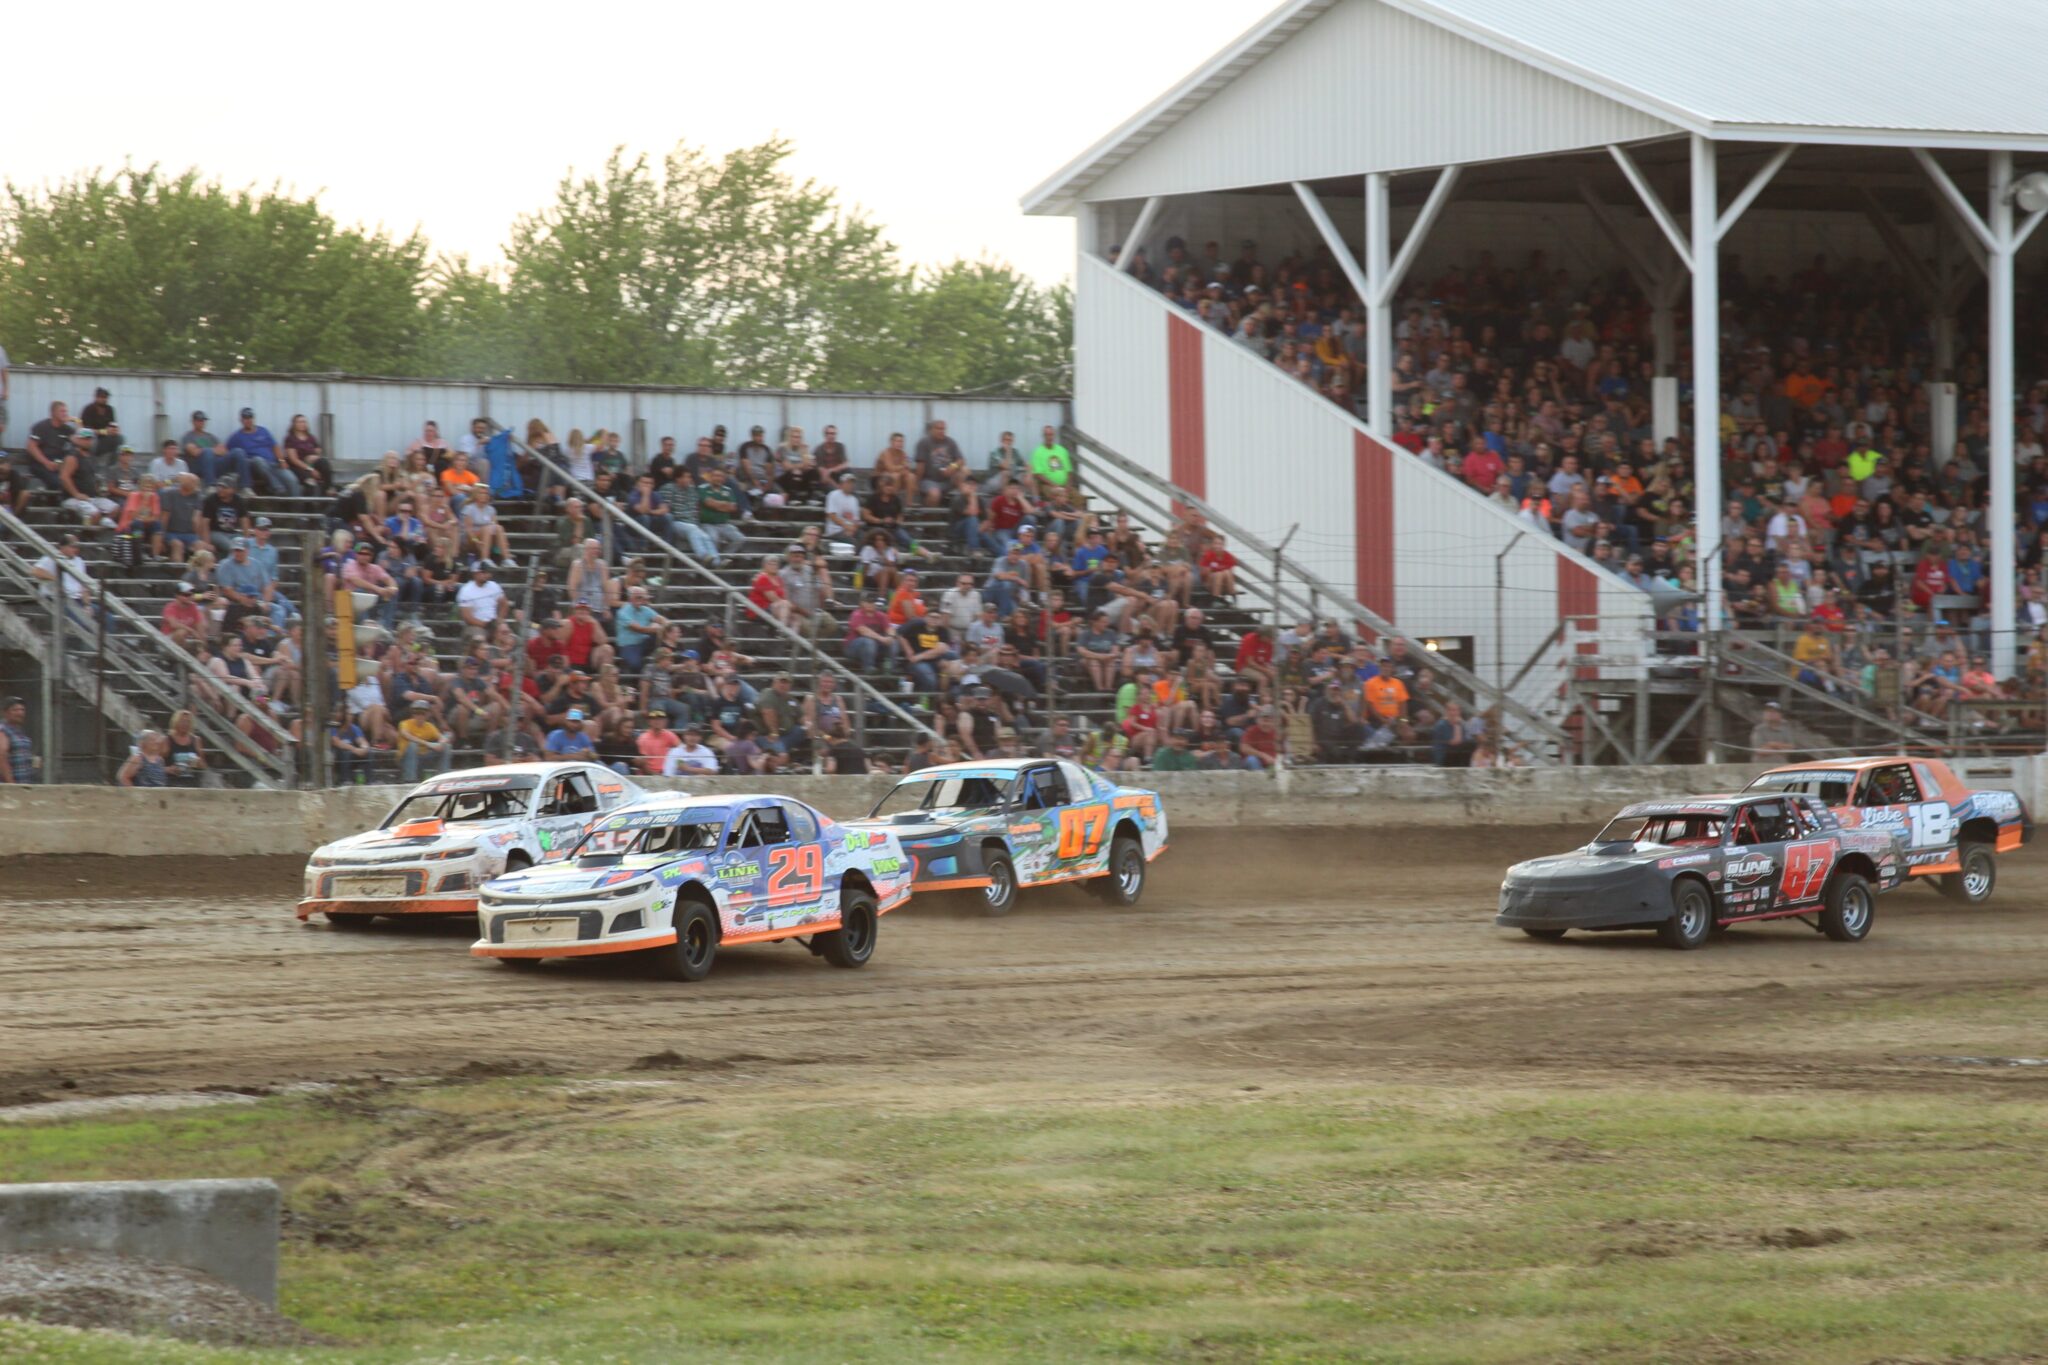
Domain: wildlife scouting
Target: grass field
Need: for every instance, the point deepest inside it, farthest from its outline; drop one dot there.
(541, 1219)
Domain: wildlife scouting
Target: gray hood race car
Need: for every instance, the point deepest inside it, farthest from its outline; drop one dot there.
(1687, 866)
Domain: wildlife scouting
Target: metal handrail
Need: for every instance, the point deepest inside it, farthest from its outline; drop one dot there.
(1472, 682)
(734, 598)
(1780, 668)
(283, 767)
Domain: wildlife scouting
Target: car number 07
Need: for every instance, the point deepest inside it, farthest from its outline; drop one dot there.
(1081, 830)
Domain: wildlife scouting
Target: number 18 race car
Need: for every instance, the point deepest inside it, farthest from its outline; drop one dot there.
(679, 877)
(1002, 824)
(452, 834)
(1685, 867)
(1950, 831)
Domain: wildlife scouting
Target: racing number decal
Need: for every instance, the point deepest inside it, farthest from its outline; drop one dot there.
(1081, 830)
(1806, 870)
(795, 874)
(1934, 824)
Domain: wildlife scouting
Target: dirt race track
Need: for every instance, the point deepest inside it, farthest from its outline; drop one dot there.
(1306, 958)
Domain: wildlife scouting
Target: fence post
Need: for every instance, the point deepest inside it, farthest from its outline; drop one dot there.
(53, 681)
(315, 706)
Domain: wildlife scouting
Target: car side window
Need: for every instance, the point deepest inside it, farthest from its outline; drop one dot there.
(578, 797)
(1743, 831)
(1892, 785)
(746, 833)
(1807, 821)
(803, 826)
(1048, 790)
(1079, 787)
(1774, 822)
(557, 798)
(771, 824)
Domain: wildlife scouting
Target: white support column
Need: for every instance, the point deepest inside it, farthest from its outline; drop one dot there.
(1706, 371)
(1134, 243)
(2003, 246)
(1379, 310)
(1334, 240)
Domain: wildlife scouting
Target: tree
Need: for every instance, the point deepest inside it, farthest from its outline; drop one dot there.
(982, 327)
(143, 270)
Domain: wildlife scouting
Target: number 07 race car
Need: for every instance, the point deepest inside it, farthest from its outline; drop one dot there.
(451, 834)
(680, 877)
(1003, 824)
(1688, 866)
(1950, 831)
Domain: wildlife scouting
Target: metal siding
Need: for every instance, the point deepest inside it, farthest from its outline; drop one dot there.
(1278, 455)
(1120, 389)
(1364, 88)
(373, 416)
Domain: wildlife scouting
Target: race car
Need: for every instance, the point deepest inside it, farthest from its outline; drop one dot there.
(1950, 831)
(679, 877)
(453, 833)
(1005, 824)
(1689, 866)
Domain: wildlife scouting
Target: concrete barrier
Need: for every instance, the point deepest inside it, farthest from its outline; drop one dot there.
(84, 820)
(225, 1228)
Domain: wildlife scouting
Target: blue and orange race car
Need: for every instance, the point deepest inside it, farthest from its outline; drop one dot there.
(680, 877)
(1001, 825)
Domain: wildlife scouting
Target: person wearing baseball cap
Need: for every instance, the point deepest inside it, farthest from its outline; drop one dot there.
(421, 741)
(571, 741)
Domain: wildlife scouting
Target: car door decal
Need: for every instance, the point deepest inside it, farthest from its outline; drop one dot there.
(1806, 870)
(1933, 824)
(1082, 829)
(796, 874)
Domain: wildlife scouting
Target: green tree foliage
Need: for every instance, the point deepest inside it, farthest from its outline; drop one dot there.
(697, 270)
(140, 269)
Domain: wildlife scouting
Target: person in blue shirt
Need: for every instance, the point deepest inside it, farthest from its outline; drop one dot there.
(571, 741)
(1965, 572)
(636, 627)
(1086, 556)
(259, 448)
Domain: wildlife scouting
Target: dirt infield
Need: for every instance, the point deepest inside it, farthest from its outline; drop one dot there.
(1261, 957)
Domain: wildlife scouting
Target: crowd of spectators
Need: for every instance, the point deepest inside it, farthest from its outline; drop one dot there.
(1844, 532)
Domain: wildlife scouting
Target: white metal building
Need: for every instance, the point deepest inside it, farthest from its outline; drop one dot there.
(1653, 138)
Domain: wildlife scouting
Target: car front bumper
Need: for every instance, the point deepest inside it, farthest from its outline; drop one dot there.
(1617, 904)
(439, 887)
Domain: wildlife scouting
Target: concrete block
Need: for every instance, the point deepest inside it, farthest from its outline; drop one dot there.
(226, 1228)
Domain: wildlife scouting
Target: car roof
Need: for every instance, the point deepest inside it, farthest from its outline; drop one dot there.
(1681, 804)
(970, 765)
(1842, 764)
(683, 800)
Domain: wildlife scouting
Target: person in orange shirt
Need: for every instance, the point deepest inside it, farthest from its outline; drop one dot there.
(905, 605)
(1387, 695)
(1624, 481)
(457, 478)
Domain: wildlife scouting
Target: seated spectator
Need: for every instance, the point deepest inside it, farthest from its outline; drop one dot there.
(690, 756)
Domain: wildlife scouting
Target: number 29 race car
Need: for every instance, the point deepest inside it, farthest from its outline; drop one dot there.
(1687, 866)
(998, 825)
(680, 877)
(1950, 831)
(452, 834)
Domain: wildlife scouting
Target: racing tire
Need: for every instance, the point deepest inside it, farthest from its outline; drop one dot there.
(349, 921)
(1847, 908)
(1692, 917)
(690, 957)
(999, 897)
(853, 942)
(1125, 880)
(1973, 884)
(1547, 935)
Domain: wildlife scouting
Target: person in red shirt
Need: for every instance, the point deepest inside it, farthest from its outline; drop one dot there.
(1219, 571)
(550, 642)
(1481, 468)
(184, 619)
(1255, 655)
(583, 637)
(768, 592)
(1006, 511)
(1260, 742)
(1930, 580)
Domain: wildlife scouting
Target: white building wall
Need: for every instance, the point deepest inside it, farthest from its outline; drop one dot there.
(1308, 111)
(1120, 347)
(375, 415)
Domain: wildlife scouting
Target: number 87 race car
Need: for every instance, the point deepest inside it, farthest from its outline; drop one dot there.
(1003, 824)
(1688, 866)
(679, 877)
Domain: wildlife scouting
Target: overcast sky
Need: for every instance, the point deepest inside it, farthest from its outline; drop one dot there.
(936, 117)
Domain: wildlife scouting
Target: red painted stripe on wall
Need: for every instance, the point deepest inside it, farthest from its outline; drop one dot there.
(1373, 516)
(1578, 605)
(1187, 424)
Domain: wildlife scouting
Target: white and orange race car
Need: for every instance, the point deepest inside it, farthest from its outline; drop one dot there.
(453, 833)
(1950, 830)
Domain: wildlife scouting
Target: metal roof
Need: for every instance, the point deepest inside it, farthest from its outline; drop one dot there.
(1882, 72)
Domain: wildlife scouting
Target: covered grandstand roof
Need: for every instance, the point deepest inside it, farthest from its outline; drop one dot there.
(1884, 72)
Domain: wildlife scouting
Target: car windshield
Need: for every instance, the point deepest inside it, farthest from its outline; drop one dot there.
(505, 802)
(654, 833)
(1662, 831)
(978, 790)
(1831, 786)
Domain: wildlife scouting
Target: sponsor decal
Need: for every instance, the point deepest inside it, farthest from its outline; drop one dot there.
(477, 784)
(884, 866)
(1875, 816)
(1684, 860)
(1033, 828)
(1750, 868)
(510, 836)
(547, 841)
(739, 872)
(858, 839)
(610, 788)
(1998, 805)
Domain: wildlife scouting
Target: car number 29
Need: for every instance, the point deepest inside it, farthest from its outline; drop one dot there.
(1934, 824)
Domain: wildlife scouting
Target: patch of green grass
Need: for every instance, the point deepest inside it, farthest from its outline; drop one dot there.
(529, 1220)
